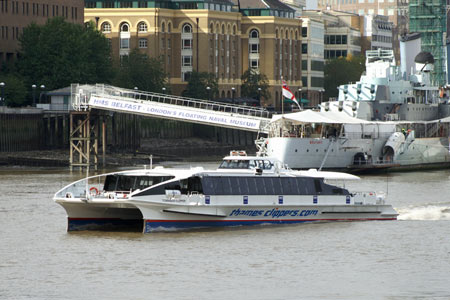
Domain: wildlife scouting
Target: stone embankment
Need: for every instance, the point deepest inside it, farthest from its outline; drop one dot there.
(192, 149)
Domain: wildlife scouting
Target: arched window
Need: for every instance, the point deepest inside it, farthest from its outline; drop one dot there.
(106, 27)
(142, 27)
(169, 27)
(187, 28)
(276, 33)
(223, 94)
(254, 34)
(234, 30)
(223, 29)
(124, 27)
(163, 27)
(228, 94)
(211, 28)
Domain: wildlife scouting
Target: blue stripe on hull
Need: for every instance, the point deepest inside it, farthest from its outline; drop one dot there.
(103, 224)
(161, 225)
(151, 225)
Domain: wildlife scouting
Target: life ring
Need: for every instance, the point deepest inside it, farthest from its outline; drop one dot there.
(93, 191)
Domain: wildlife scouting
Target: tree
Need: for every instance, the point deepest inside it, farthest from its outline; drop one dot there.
(197, 84)
(340, 71)
(252, 81)
(138, 70)
(60, 53)
(14, 90)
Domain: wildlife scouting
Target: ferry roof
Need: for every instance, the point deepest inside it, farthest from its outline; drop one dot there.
(310, 116)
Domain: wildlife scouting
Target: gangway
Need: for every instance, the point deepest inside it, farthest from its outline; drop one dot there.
(107, 97)
(88, 100)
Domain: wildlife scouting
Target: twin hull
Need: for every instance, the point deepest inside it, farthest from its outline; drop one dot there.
(194, 213)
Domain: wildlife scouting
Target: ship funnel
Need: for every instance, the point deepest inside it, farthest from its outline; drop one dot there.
(409, 48)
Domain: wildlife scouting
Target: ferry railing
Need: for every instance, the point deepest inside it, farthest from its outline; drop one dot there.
(136, 95)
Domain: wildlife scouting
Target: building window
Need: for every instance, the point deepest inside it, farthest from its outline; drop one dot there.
(304, 48)
(126, 4)
(254, 34)
(187, 44)
(187, 28)
(187, 61)
(304, 31)
(254, 63)
(142, 27)
(125, 27)
(108, 4)
(106, 27)
(254, 48)
(142, 4)
(186, 76)
(124, 43)
(142, 43)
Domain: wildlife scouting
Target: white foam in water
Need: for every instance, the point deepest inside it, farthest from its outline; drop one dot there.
(430, 212)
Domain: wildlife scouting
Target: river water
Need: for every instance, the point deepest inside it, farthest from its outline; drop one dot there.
(404, 259)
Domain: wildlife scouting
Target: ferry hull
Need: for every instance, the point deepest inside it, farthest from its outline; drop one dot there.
(157, 219)
(107, 216)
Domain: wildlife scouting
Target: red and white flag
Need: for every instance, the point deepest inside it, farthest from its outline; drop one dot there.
(288, 94)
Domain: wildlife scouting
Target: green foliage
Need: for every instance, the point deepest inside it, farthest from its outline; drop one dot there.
(251, 81)
(197, 84)
(342, 70)
(60, 53)
(138, 70)
(14, 90)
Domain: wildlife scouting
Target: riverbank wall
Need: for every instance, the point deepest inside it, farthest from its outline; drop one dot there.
(28, 133)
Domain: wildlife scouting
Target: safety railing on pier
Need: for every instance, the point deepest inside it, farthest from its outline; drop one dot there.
(108, 97)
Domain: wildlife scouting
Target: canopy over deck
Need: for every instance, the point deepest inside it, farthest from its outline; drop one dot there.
(310, 116)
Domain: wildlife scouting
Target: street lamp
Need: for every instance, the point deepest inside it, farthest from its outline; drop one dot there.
(33, 87)
(40, 95)
(2, 99)
(322, 91)
(233, 90)
(208, 89)
(259, 96)
(164, 90)
(300, 96)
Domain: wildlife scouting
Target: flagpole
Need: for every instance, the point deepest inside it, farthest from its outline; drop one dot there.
(282, 97)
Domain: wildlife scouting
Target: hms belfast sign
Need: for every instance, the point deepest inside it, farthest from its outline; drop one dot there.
(175, 112)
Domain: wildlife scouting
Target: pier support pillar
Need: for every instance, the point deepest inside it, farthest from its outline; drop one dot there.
(84, 131)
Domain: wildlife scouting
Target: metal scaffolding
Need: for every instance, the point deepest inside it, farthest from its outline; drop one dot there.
(429, 18)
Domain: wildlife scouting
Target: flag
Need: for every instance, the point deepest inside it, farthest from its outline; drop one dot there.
(288, 94)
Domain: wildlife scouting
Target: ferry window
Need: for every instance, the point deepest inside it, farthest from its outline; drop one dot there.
(317, 186)
(125, 183)
(194, 185)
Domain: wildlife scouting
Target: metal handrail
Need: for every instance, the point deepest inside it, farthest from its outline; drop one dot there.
(181, 101)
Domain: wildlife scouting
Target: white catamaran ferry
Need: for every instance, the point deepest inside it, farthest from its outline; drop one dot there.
(244, 190)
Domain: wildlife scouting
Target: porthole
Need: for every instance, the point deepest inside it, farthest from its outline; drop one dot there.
(295, 150)
(317, 150)
(307, 150)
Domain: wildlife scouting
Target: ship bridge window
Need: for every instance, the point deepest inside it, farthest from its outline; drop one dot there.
(235, 164)
(250, 185)
(131, 183)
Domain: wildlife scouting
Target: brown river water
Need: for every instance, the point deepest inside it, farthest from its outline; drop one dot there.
(404, 259)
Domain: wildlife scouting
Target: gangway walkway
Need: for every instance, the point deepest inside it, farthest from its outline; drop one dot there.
(106, 97)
